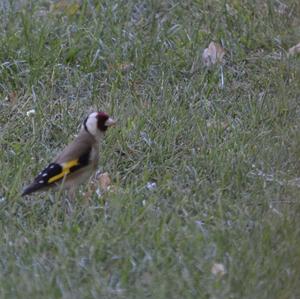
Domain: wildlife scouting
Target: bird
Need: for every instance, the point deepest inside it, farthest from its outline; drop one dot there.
(78, 161)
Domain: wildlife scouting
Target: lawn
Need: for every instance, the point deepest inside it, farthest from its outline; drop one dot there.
(204, 198)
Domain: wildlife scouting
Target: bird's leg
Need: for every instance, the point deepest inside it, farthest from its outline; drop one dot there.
(72, 194)
(68, 206)
(69, 200)
(65, 200)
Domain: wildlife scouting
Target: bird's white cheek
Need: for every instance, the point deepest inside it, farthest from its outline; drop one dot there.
(92, 125)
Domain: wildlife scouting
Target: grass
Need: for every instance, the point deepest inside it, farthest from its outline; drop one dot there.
(225, 160)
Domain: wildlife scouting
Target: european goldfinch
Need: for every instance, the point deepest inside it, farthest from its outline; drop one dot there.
(77, 162)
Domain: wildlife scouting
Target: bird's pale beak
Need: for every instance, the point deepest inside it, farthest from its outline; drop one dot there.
(110, 122)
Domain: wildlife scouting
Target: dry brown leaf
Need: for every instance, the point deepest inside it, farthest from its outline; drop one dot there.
(213, 54)
(125, 67)
(70, 8)
(294, 50)
(104, 181)
(90, 191)
(100, 185)
(12, 97)
(215, 124)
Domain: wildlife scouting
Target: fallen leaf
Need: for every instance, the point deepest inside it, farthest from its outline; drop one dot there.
(218, 269)
(215, 124)
(125, 67)
(294, 50)
(213, 54)
(73, 9)
(100, 185)
(70, 8)
(90, 191)
(12, 97)
(104, 182)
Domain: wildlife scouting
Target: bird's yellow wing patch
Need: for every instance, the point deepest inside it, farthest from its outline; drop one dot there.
(65, 170)
(56, 172)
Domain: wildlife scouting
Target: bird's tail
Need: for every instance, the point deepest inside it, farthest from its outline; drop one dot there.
(31, 188)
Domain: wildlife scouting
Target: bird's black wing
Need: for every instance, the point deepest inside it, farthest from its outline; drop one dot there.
(55, 172)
